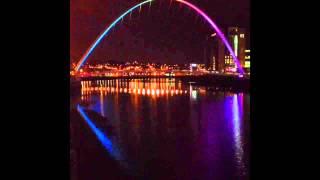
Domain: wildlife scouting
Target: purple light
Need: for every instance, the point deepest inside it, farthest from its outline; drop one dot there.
(215, 27)
(105, 32)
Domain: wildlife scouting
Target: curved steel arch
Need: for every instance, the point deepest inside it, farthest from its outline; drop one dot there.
(199, 11)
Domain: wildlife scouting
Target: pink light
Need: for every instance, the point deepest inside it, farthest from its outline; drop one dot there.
(215, 27)
(105, 32)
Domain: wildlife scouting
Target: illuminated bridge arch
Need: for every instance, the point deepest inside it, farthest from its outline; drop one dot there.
(193, 7)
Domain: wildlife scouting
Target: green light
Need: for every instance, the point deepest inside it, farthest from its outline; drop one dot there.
(247, 64)
(235, 42)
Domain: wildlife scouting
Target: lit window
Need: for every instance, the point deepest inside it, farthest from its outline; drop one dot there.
(247, 64)
(241, 35)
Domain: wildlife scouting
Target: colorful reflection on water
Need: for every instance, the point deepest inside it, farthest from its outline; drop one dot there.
(149, 87)
(165, 129)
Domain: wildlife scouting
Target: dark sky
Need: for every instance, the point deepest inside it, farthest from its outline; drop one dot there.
(163, 33)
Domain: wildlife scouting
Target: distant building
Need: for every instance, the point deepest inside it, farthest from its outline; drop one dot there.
(247, 61)
(208, 52)
(193, 67)
(214, 53)
(237, 40)
(219, 56)
(229, 64)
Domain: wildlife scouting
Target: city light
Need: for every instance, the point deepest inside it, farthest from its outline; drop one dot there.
(133, 100)
(205, 16)
(105, 32)
(135, 87)
(247, 64)
(235, 41)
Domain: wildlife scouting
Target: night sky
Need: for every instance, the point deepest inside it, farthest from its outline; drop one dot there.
(163, 33)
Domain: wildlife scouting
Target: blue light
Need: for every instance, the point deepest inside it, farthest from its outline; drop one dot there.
(105, 141)
(83, 59)
(221, 35)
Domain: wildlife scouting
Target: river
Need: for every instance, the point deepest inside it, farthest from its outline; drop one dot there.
(159, 129)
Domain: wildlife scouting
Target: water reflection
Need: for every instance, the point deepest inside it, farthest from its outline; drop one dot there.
(235, 109)
(105, 141)
(146, 87)
(180, 130)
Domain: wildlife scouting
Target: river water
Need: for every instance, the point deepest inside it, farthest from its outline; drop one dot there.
(159, 129)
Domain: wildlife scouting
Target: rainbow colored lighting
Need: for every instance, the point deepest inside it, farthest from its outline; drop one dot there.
(206, 17)
(105, 32)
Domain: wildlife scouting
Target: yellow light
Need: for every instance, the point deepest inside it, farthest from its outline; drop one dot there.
(247, 64)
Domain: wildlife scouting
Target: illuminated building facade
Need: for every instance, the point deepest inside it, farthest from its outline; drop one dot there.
(193, 67)
(229, 64)
(237, 39)
(247, 61)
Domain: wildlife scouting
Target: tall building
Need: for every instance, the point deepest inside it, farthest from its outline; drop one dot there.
(208, 52)
(247, 61)
(220, 53)
(237, 40)
(214, 53)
